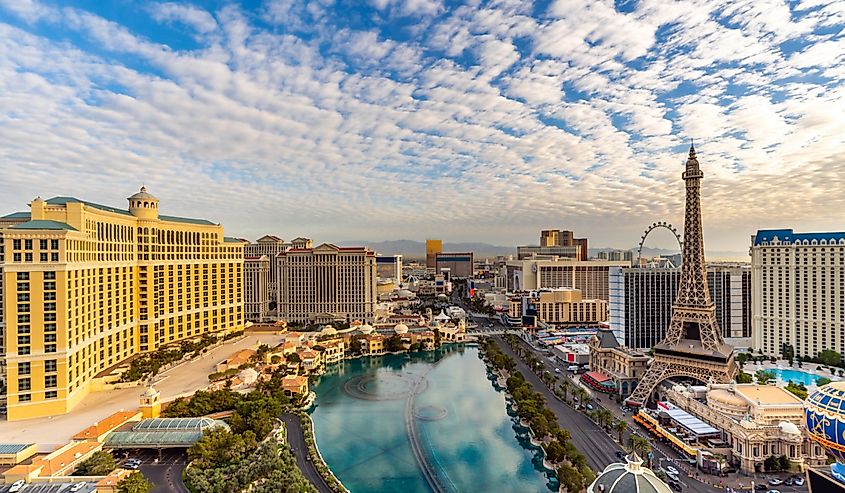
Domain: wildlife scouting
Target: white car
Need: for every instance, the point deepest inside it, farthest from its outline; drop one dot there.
(17, 485)
(798, 482)
(775, 482)
(78, 486)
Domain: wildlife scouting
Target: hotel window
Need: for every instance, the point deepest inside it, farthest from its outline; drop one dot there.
(24, 368)
(24, 384)
(24, 398)
(51, 382)
(49, 276)
(51, 394)
(49, 348)
(16, 244)
(50, 365)
(43, 244)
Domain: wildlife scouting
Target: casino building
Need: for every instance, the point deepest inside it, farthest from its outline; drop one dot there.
(86, 286)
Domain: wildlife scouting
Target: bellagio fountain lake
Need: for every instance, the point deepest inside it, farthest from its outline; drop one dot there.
(423, 422)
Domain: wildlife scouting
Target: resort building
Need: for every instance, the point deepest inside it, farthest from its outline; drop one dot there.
(622, 366)
(270, 246)
(257, 288)
(560, 243)
(641, 300)
(799, 292)
(86, 286)
(432, 248)
(756, 422)
(389, 267)
(327, 284)
(540, 272)
(458, 265)
(564, 306)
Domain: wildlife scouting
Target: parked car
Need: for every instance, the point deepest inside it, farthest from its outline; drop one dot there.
(775, 482)
(589, 407)
(557, 370)
(17, 485)
(773, 491)
(798, 481)
(78, 486)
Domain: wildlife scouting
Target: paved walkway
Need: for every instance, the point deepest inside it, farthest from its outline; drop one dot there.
(296, 440)
(183, 380)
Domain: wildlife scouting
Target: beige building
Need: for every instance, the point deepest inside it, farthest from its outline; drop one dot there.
(270, 246)
(562, 306)
(758, 421)
(798, 297)
(257, 288)
(623, 365)
(551, 272)
(327, 284)
(86, 286)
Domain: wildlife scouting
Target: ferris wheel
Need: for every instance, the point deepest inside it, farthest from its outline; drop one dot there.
(658, 225)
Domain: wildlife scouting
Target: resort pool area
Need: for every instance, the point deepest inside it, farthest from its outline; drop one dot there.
(786, 375)
(397, 423)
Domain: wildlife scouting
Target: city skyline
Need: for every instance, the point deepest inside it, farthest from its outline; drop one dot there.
(418, 119)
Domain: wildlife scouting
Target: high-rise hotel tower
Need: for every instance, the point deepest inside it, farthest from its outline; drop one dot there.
(86, 286)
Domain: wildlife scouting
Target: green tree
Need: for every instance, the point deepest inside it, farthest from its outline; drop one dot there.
(764, 377)
(293, 358)
(783, 463)
(639, 445)
(134, 483)
(741, 359)
(743, 377)
(799, 390)
(620, 428)
(829, 357)
(570, 478)
(822, 381)
(99, 464)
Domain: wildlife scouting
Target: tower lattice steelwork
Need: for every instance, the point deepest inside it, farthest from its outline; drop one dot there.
(693, 346)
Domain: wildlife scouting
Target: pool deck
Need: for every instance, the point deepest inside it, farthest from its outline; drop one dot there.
(809, 368)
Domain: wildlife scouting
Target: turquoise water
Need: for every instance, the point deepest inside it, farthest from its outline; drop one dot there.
(464, 434)
(786, 375)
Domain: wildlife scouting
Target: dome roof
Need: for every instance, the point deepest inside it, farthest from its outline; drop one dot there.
(142, 195)
(366, 329)
(726, 397)
(150, 392)
(400, 329)
(630, 477)
(328, 330)
(789, 428)
(824, 414)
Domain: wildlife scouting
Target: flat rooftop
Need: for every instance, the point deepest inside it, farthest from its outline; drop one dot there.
(767, 394)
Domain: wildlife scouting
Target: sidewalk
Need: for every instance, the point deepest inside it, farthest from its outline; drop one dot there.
(180, 380)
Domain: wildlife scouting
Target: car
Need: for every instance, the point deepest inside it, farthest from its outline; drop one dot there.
(557, 370)
(798, 481)
(589, 407)
(17, 485)
(773, 491)
(676, 486)
(775, 482)
(760, 487)
(620, 454)
(671, 470)
(788, 482)
(78, 486)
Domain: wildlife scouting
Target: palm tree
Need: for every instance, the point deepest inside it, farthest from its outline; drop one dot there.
(564, 386)
(639, 445)
(620, 428)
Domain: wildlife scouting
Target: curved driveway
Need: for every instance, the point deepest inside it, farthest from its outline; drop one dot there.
(296, 440)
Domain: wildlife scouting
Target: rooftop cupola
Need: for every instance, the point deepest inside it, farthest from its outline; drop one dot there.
(143, 205)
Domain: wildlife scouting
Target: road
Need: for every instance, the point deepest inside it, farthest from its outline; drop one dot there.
(166, 473)
(591, 440)
(296, 440)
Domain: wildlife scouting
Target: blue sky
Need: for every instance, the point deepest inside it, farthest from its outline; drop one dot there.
(389, 119)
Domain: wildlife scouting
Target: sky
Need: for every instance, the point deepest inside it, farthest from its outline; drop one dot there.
(409, 119)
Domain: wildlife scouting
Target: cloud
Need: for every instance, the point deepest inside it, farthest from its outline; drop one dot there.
(171, 12)
(481, 121)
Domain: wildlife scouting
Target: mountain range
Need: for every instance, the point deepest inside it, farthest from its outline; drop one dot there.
(415, 250)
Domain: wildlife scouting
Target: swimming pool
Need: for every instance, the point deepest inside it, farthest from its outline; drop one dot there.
(787, 374)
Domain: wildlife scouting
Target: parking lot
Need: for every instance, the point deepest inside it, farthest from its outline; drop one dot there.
(164, 471)
(48, 488)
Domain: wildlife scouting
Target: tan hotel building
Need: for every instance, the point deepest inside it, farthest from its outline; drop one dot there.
(86, 286)
(327, 284)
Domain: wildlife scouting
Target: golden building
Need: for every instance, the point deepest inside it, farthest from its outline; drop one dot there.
(567, 306)
(87, 286)
(432, 248)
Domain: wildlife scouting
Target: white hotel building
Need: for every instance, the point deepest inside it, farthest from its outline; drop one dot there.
(327, 284)
(798, 284)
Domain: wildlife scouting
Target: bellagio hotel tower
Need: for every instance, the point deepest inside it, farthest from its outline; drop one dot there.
(86, 286)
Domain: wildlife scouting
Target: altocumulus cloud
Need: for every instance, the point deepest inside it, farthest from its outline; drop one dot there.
(411, 118)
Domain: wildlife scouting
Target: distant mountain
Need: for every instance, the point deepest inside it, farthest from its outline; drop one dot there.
(416, 249)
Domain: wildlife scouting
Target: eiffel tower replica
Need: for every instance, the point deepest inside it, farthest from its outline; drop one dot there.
(693, 346)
